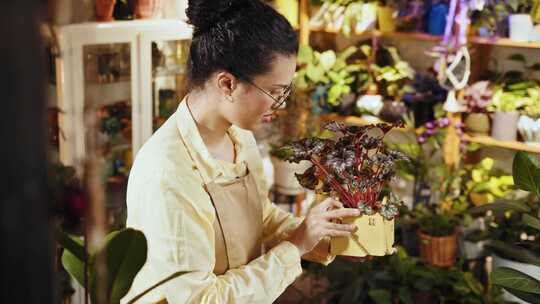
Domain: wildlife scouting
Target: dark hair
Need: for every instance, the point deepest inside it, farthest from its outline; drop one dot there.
(238, 36)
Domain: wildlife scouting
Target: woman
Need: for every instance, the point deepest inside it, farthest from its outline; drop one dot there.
(197, 189)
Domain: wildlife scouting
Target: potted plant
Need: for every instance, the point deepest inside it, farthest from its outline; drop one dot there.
(520, 21)
(355, 167)
(477, 98)
(426, 93)
(514, 234)
(529, 121)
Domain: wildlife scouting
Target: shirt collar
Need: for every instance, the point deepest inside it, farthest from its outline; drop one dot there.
(204, 161)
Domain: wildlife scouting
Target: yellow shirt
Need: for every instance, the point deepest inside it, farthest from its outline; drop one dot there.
(166, 200)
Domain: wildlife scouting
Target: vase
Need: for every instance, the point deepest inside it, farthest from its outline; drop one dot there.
(104, 10)
(393, 111)
(531, 270)
(289, 9)
(529, 129)
(477, 124)
(148, 9)
(374, 237)
(438, 251)
(505, 126)
(437, 19)
(521, 27)
(285, 181)
(386, 16)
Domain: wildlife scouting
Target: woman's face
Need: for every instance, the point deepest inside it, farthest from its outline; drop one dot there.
(250, 105)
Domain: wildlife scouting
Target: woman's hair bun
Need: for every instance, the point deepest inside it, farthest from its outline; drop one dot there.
(203, 14)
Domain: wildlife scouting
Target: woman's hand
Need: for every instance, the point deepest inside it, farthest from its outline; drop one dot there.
(318, 224)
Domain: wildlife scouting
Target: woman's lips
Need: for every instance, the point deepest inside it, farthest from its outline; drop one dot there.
(267, 118)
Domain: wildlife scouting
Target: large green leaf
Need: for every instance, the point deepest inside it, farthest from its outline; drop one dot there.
(501, 206)
(511, 278)
(74, 266)
(526, 173)
(525, 296)
(305, 54)
(515, 252)
(405, 295)
(126, 255)
(517, 57)
(381, 296)
(473, 283)
(71, 244)
(531, 221)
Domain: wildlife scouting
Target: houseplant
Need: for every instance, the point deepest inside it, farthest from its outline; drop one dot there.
(355, 166)
(477, 98)
(529, 121)
(514, 234)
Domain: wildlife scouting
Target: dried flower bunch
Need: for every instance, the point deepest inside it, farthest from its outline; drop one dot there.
(355, 166)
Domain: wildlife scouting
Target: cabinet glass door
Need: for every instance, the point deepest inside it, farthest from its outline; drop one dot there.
(168, 78)
(107, 91)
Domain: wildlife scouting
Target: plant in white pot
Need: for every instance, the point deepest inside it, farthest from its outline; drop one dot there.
(529, 122)
(507, 100)
(355, 167)
(514, 233)
(520, 21)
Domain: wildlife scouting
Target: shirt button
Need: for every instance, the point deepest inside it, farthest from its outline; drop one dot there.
(194, 167)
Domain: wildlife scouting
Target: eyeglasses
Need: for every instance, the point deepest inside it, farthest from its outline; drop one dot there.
(279, 100)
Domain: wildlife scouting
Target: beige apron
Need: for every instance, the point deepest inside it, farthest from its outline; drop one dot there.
(238, 224)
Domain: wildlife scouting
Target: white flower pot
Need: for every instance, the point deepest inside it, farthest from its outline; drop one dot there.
(505, 126)
(472, 250)
(521, 27)
(529, 128)
(285, 181)
(531, 270)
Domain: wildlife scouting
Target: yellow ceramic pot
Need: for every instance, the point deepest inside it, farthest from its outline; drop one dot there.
(386, 19)
(375, 237)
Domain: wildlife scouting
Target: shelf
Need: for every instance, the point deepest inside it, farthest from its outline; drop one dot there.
(513, 145)
(495, 41)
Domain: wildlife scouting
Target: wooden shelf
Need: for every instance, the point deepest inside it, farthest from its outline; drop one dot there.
(354, 120)
(513, 145)
(495, 41)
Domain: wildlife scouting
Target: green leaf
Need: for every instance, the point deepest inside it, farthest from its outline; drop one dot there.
(167, 279)
(405, 295)
(511, 278)
(531, 221)
(517, 57)
(515, 252)
(74, 266)
(315, 73)
(501, 206)
(473, 283)
(126, 255)
(535, 67)
(328, 59)
(525, 296)
(526, 173)
(73, 245)
(305, 54)
(347, 53)
(380, 296)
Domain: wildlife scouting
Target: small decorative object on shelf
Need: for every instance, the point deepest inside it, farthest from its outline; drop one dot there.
(355, 167)
(477, 98)
(115, 119)
(104, 10)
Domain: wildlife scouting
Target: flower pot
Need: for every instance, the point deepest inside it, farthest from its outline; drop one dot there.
(472, 250)
(529, 128)
(386, 18)
(285, 181)
(393, 111)
(438, 251)
(477, 124)
(437, 18)
(147, 9)
(375, 237)
(289, 9)
(531, 270)
(505, 126)
(104, 10)
(521, 27)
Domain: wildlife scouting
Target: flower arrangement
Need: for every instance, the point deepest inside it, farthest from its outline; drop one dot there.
(354, 167)
(478, 97)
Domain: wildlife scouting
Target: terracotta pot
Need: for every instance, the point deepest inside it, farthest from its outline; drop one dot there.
(147, 9)
(478, 124)
(105, 9)
(505, 126)
(385, 17)
(438, 251)
(375, 237)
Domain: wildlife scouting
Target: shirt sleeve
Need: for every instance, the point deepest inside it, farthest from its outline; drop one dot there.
(180, 237)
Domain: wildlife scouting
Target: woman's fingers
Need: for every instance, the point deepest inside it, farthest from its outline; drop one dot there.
(338, 233)
(340, 213)
(328, 204)
(341, 227)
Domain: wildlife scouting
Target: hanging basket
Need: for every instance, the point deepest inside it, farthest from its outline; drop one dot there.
(438, 251)
(374, 237)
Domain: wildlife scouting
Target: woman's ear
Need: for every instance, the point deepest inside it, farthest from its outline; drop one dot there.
(226, 83)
